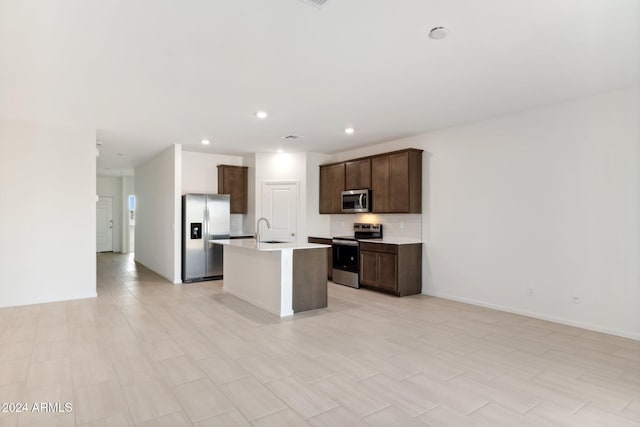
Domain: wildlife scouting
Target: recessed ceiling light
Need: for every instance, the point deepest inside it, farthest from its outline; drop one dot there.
(349, 131)
(262, 114)
(438, 33)
(280, 150)
(205, 142)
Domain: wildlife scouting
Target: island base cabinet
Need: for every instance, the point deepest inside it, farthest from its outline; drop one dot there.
(309, 280)
(282, 281)
(395, 269)
(324, 241)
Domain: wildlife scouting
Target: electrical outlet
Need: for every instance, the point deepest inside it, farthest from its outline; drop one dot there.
(576, 300)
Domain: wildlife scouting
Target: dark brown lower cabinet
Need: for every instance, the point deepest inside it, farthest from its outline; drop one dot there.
(396, 269)
(323, 241)
(309, 291)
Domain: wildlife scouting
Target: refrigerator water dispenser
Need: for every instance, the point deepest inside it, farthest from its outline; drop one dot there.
(196, 230)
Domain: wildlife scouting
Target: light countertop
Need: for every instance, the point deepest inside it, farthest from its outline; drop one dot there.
(262, 246)
(393, 241)
(386, 240)
(320, 237)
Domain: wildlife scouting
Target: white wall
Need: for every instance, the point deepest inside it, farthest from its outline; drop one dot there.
(200, 175)
(200, 171)
(546, 199)
(283, 167)
(304, 169)
(249, 227)
(110, 186)
(158, 226)
(47, 213)
(317, 225)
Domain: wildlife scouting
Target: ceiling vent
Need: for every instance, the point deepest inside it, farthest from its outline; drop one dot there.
(291, 138)
(315, 3)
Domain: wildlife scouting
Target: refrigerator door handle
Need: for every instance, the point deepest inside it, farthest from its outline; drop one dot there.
(205, 228)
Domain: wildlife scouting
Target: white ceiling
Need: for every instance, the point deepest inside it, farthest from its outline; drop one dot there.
(151, 73)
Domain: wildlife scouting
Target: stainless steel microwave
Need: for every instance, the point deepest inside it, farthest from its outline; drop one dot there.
(356, 201)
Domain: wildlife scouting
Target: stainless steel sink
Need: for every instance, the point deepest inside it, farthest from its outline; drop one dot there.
(273, 241)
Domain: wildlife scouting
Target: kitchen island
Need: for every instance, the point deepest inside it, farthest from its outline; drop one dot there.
(281, 278)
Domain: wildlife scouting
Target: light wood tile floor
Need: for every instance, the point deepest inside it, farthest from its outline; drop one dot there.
(150, 353)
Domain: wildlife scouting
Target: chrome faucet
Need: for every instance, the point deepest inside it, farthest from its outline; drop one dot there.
(258, 228)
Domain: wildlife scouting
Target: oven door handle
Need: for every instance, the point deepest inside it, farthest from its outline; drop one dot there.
(344, 242)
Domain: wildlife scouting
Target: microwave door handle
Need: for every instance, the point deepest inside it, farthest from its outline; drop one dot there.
(361, 196)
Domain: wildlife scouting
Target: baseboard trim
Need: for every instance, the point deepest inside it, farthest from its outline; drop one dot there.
(561, 320)
(51, 300)
(137, 261)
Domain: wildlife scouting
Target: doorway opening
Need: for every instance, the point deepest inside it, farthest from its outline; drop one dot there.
(131, 221)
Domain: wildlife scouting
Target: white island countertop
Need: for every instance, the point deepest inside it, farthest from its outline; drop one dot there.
(262, 246)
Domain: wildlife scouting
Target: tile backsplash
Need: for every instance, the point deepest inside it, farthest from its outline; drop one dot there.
(393, 225)
(237, 224)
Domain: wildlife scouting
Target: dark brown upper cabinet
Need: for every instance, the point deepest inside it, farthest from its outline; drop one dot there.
(396, 182)
(233, 180)
(331, 188)
(357, 174)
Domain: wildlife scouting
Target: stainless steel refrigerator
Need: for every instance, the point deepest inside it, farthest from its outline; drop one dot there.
(204, 217)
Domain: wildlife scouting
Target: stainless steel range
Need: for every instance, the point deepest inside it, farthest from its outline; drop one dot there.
(346, 253)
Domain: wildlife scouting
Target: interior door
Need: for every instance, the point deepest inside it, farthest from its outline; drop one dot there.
(104, 224)
(280, 207)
